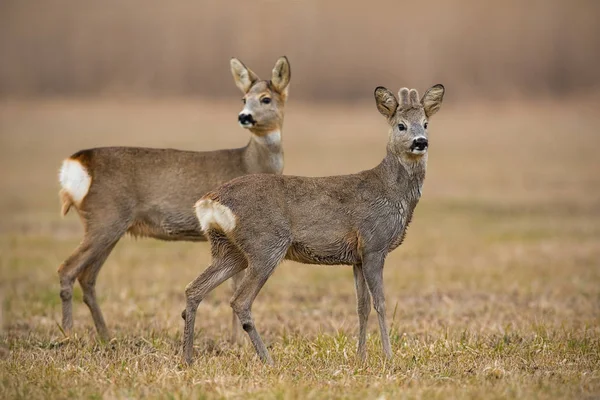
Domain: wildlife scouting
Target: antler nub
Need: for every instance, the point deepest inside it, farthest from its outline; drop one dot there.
(414, 98)
(403, 97)
(408, 98)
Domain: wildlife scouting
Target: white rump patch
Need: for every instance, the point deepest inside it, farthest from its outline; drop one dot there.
(74, 179)
(212, 213)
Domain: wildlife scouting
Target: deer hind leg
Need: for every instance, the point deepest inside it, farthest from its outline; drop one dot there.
(236, 338)
(86, 261)
(67, 272)
(87, 279)
(227, 261)
(256, 275)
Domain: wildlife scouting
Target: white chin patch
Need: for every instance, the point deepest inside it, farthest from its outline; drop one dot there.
(418, 152)
(246, 125)
(74, 179)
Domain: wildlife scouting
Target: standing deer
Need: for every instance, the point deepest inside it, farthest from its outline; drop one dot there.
(256, 221)
(151, 192)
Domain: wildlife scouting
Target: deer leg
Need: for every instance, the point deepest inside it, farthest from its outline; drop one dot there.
(85, 263)
(67, 272)
(227, 261)
(255, 277)
(235, 322)
(87, 280)
(373, 273)
(363, 309)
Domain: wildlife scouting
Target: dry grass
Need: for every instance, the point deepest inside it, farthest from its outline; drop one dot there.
(495, 292)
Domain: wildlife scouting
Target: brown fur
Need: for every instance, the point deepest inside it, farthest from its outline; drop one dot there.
(353, 220)
(151, 192)
(65, 201)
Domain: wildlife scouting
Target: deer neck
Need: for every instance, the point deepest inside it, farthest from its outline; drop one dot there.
(264, 153)
(403, 176)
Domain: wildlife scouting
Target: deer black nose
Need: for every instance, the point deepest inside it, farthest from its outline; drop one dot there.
(419, 144)
(246, 119)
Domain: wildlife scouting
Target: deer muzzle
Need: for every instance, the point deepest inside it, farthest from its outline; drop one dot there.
(246, 120)
(419, 145)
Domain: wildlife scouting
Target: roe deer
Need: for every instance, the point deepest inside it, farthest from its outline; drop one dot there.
(151, 192)
(256, 221)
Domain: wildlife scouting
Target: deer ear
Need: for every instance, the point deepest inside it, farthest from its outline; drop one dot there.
(432, 99)
(281, 75)
(244, 77)
(386, 102)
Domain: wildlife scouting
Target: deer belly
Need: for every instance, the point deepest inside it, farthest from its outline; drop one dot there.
(325, 252)
(168, 227)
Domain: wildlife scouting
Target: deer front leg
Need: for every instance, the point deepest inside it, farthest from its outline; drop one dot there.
(364, 309)
(373, 273)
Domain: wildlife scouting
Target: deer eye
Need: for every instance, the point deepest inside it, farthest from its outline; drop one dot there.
(401, 127)
(425, 125)
(266, 100)
(244, 100)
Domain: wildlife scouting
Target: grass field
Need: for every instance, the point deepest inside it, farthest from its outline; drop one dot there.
(495, 293)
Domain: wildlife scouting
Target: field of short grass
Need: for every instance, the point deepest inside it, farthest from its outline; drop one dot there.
(494, 294)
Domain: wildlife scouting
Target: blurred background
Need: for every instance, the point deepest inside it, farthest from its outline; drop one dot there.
(338, 50)
(507, 233)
